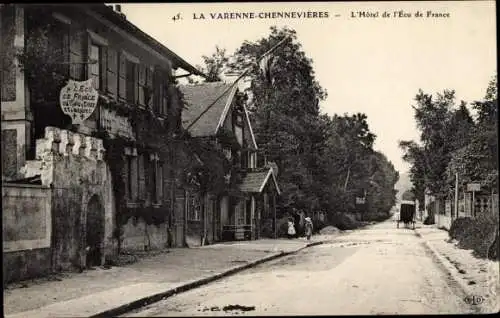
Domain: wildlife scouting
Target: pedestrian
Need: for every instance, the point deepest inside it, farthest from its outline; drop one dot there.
(309, 227)
(296, 223)
(291, 228)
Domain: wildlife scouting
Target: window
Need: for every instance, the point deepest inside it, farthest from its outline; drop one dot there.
(130, 177)
(131, 80)
(159, 186)
(112, 72)
(244, 159)
(144, 85)
(164, 101)
(58, 46)
(238, 129)
(194, 207)
(95, 66)
(153, 170)
(142, 163)
(239, 212)
(161, 91)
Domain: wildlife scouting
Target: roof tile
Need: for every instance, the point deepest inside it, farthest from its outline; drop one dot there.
(198, 97)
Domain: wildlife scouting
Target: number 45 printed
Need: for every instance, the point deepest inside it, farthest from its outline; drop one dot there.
(177, 17)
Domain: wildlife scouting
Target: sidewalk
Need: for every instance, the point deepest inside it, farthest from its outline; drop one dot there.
(100, 291)
(477, 277)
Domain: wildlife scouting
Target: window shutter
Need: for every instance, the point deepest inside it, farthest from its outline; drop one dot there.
(127, 176)
(104, 68)
(66, 51)
(141, 84)
(149, 84)
(111, 72)
(142, 177)
(121, 76)
(157, 90)
(159, 182)
(77, 53)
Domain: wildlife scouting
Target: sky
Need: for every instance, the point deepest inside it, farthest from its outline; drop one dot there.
(367, 62)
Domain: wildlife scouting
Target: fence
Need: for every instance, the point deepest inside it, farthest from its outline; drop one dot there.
(445, 209)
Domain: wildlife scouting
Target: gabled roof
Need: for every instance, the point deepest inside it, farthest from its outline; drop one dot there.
(198, 97)
(257, 180)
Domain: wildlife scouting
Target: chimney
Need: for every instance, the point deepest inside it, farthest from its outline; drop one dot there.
(118, 10)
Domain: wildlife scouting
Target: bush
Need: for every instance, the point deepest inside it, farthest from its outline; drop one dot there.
(344, 221)
(460, 227)
(479, 234)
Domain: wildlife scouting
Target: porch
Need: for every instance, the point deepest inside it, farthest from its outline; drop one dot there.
(252, 214)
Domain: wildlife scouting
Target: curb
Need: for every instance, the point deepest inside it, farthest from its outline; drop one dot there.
(194, 283)
(450, 269)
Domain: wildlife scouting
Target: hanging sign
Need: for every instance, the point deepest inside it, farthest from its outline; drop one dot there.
(78, 100)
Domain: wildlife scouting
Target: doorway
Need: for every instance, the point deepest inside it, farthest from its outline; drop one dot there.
(95, 232)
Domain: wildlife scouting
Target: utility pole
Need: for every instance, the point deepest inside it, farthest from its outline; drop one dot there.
(456, 196)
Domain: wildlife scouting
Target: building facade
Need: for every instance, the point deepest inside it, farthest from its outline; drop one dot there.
(245, 208)
(105, 179)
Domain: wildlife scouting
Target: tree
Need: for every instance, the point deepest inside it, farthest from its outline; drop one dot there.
(324, 161)
(214, 65)
(285, 111)
(477, 158)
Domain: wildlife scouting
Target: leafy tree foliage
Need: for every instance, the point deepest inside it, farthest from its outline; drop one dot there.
(324, 162)
(451, 142)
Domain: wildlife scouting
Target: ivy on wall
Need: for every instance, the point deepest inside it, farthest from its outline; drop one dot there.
(164, 136)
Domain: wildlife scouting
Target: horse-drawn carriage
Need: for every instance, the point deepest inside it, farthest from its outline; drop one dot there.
(407, 213)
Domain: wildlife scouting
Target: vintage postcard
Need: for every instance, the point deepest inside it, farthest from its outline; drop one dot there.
(268, 158)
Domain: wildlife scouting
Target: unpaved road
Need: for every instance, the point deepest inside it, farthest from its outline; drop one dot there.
(377, 270)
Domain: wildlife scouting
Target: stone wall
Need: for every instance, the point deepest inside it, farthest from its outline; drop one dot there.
(72, 165)
(140, 236)
(26, 219)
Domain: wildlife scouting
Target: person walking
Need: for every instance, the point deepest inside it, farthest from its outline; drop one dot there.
(308, 227)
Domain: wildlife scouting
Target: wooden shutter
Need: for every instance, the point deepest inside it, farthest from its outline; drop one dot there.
(141, 177)
(141, 84)
(156, 99)
(131, 71)
(103, 68)
(122, 93)
(111, 72)
(77, 53)
(159, 191)
(149, 84)
(126, 173)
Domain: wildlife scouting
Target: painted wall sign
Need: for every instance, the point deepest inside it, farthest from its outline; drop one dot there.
(116, 124)
(78, 100)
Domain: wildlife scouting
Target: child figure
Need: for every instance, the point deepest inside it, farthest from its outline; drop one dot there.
(309, 227)
(291, 228)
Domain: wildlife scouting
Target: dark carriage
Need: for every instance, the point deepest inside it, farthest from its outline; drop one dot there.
(407, 214)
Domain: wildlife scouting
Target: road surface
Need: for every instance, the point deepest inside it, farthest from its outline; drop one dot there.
(377, 270)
